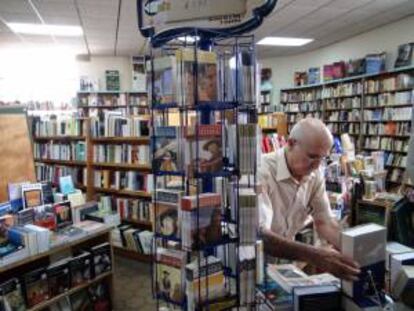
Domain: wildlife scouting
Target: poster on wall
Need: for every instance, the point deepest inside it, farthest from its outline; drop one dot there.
(112, 80)
(138, 74)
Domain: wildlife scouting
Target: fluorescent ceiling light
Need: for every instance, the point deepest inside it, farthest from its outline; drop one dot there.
(189, 38)
(41, 29)
(284, 41)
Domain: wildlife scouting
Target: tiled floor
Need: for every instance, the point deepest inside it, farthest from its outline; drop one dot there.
(132, 286)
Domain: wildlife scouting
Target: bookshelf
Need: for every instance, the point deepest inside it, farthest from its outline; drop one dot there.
(374, 109)
(112, 160)
(130, 102)
(30, 263)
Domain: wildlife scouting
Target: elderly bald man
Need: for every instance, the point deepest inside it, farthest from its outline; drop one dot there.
(296, 189)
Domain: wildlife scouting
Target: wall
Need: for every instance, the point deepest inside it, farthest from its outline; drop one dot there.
(95, 69)
(386, 38)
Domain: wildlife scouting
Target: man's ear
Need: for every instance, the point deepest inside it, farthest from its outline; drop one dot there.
(291, 142)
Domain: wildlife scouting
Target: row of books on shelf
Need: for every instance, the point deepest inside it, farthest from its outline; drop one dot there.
(297, 117)
(73, 151)
(108, 100)
(390, 128)
(386, 144)
(388, 114)
(41, 284)
(116, 124)
(57, 127)
(178, 149)
(388, 99)
(302, 107)
(133, 209)
(133, 239)
(396, 160)
(370, 64)
(274, 120)
(339, 128)
(299, 96)
(346, 116)
(122, 154)
(399, 82)
(342, 103)
(123, 180)
(175, 81)
(341, 90)
(53, 173)
(272, 142)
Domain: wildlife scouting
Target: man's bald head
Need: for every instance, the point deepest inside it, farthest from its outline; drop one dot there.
(312, 131)
(310, 141)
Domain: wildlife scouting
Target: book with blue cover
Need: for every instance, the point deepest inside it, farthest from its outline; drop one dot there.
(15, 195)
(66, 184)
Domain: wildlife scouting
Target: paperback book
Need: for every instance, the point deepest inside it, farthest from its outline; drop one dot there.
(58, 277)
(167, 149)
(12, 296)
(201, 220)
(80, 269)
(204, 149)
(36, 287)
(102, 261)
(170, 274)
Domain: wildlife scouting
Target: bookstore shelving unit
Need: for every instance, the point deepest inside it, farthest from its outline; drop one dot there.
(131, 102)
(44, 259)
(60, 148)
(375, 109)
(301, 102)
(83, 171)
(115, 158)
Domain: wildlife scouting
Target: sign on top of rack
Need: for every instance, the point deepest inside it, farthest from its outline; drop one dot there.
(163, 20)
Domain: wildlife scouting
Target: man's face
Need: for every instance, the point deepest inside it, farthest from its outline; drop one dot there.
(307, 156)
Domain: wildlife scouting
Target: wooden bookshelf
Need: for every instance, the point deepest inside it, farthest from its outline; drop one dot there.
(123, 166)
(128, 193)
(61, 162)
(71, 291)
(139, 223)
(59, 138)
(121, 140)
(121, 251)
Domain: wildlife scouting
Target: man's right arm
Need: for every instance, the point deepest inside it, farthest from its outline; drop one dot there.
(326, 259)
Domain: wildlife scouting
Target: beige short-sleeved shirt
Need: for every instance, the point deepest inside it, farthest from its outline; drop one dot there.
(292, 202)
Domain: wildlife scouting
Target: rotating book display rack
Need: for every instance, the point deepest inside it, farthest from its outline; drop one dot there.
(204, 172)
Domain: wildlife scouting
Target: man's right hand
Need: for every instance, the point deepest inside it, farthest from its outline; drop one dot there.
(336, 263)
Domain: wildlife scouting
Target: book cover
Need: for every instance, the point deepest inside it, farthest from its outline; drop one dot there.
(164, 80)
(169, 274)
(81, 301)
(314, 75)
(66, 184)
(80, 269)
(32, 195)
(201, 220)
(366, 245)
(58, 277)
(204, 149)
(317, 298)
(99, 296)
(44, 217)
(80, 212)
(12, 295)
(405, 55)
(167, 219)
(102, 261)
(15, 195)
(25, 216)
(36, 287)
(47, 191)
(63, 214)
(204, 82)
(167, 150)
(375, 63)
(5, 208)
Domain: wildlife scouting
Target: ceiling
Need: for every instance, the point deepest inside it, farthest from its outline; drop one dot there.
(110, 26)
